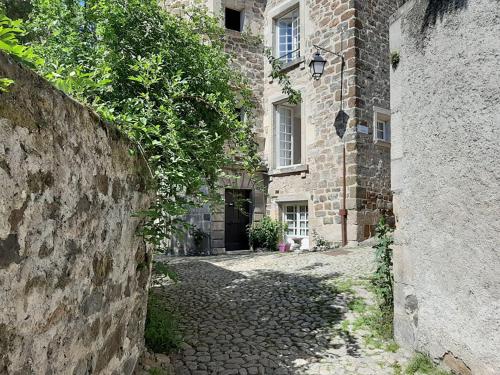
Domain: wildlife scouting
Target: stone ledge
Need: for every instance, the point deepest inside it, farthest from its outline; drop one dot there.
(381, 143)
(299, 61)
(289, 170)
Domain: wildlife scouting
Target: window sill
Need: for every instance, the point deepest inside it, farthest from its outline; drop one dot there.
(233, 33)
(382, 143)
(289, 66)
(293, 64)
(289, 170)
(299, 61)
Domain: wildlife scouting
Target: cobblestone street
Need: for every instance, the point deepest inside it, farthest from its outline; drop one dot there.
(272, 314)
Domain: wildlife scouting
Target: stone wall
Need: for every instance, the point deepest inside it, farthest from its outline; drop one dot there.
(73, 273)
(445, 98)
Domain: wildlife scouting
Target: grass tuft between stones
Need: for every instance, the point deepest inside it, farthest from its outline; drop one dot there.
(420, 364)
(161, 333)
(374, 319)
(157, 371)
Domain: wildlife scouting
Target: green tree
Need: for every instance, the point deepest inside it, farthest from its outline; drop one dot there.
(16, 9)
(166, 82)
(10, 32)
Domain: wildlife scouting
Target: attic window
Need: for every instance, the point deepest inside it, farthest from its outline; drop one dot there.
(234, 19)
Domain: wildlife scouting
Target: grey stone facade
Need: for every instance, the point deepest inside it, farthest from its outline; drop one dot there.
(359, 30)
(445, 99)
(73, 272)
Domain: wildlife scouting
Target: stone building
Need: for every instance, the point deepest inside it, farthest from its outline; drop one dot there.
(299, 143)
(445, 99)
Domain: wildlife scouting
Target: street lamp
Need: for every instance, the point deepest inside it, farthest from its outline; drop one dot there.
(317, 67)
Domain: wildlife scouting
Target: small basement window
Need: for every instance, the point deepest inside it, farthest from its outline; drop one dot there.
(234, 19)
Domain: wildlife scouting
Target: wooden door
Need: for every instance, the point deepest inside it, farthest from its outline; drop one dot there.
(237, 216)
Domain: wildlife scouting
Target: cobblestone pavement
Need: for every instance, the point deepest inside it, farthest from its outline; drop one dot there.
(272, 314)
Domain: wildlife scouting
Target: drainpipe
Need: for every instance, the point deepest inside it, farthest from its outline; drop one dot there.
(343, 211)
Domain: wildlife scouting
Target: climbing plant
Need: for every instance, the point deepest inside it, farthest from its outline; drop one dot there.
(383, 279)
(164, 80)
(277, 72)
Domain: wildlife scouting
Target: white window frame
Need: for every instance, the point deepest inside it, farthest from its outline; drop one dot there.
(279, 135)
(288, 54)
(381, 117)
(295, 230)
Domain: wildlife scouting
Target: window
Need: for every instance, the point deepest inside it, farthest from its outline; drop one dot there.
(382, 126)
(297, 218)
(288, 135)
(383, 131)
(288, 36)
(234, 20)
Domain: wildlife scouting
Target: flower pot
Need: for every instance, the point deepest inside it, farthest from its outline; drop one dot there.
(282, 247)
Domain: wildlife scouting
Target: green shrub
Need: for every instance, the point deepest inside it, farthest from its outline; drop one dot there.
(321, 243)
(198, 236)
(160, 268)
(161, 332)
(266, 233)
(395, 59)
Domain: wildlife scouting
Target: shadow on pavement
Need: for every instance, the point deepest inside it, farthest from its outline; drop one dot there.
(267, 322)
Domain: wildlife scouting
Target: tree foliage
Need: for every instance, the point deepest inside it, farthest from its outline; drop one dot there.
(166, 82)
(16, 9)
(10, 32)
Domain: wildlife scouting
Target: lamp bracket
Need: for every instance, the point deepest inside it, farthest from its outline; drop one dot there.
(341, 55)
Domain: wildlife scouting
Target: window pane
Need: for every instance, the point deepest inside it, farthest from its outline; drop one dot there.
(296, 218)
(289, 35)
(285, 136)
